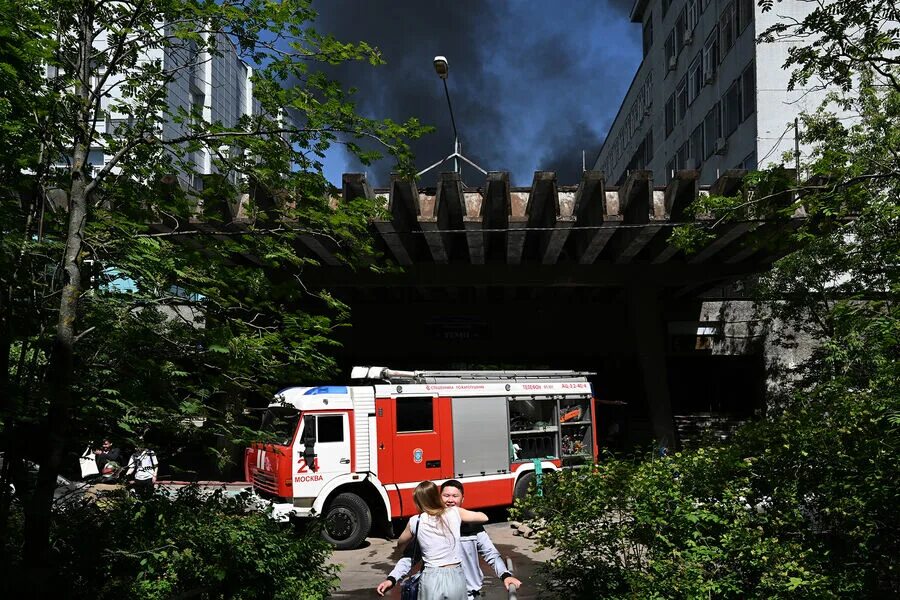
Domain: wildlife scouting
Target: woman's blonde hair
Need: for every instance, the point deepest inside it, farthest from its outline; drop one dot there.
(428, 499)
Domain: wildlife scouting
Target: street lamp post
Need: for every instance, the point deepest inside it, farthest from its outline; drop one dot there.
(442, 68)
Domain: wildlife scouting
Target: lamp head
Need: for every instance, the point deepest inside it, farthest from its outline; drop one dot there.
(441, 67)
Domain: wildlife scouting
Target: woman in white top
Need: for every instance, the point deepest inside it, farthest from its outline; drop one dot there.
(437, 534)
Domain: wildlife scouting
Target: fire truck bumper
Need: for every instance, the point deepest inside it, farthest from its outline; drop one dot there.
(280, 511)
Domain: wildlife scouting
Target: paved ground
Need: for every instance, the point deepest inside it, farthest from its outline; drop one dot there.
(365, 568)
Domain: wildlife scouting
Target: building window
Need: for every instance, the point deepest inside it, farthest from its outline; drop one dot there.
(744, 14)
(711, 55)
(696, 153)
(695, 77)
(681, 98)
(682, 156)
(665, 7)
(731, 107)
(712, 130)
(748, 91)
(726, 30)
(197, 105)
(415, 414)
(681, 29)
(648, 34)
(749, 163)
(648, 147)
(671, 56)
(670, 114)
(693, 14)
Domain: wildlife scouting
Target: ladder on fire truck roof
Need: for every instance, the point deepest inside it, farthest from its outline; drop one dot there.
(390, 375)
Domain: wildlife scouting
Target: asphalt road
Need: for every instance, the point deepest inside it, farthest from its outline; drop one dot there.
(364, 568)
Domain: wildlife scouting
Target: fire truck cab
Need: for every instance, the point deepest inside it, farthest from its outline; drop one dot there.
(355, 453)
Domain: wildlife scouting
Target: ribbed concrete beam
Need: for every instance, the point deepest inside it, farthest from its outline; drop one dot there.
(590, 210)
(553, 241)
(679, 194)
(599, 238)
(541, 209)
(402, 208)
(450, 201)
(431, 226)
(766, 231)
(635, 202)
(728, 184)
(473, 222)
(320, 250)
(641, 206)
(496, 206)
(355, 186)
(640, 238)
(391, 235)
(518, 221)
(495, 212)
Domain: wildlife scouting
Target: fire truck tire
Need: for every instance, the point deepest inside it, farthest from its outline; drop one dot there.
(347, 521)
(521, 489)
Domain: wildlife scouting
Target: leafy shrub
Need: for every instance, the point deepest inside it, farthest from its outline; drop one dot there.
(189, 544)
(801, 506)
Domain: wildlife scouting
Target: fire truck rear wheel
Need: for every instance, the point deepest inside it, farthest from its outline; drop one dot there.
(347, 521)
(521, 489)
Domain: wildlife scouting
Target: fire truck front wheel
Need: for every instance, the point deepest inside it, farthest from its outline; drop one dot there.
(347, 521)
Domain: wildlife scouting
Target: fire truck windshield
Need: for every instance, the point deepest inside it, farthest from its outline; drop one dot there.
(280, 424)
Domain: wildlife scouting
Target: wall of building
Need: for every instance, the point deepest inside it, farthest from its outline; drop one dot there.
(735, 110)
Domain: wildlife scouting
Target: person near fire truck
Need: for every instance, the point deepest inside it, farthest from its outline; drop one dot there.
(436, 530)
(141, 471)
(474, 541)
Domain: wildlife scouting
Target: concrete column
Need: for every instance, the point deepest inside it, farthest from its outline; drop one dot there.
(646, 322)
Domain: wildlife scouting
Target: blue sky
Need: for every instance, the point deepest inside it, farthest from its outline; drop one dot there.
(532, 83)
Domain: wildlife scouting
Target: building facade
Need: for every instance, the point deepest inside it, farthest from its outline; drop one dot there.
(706, 96)
(217, 86)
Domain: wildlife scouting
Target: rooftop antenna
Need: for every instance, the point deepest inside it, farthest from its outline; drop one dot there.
(442, 68)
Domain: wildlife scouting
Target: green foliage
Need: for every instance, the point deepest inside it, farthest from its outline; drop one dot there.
(188, 545)
(837, 40)
(800, 506)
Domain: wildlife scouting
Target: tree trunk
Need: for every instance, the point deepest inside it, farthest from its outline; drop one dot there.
(38, 516)
(60, 401)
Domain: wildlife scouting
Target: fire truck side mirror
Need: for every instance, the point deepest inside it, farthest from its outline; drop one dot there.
(309, 441)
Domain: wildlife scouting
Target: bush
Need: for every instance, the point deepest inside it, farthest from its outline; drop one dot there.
(801, 506)
(189, 544)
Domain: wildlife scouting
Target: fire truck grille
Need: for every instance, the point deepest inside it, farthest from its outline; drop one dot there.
(265, 481)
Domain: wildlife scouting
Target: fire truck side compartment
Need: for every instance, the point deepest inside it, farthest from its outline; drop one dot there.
(481, 442)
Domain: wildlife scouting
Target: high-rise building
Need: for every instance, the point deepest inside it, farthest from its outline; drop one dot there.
(217, 86)
(706, 96)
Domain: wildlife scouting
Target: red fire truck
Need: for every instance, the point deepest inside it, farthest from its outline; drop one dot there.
(355, 453)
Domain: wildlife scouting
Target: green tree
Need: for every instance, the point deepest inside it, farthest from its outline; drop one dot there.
(120, 313)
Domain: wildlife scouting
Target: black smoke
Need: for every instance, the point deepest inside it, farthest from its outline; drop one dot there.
(533, 84)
